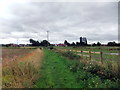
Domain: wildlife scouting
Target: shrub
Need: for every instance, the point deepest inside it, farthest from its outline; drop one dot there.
(71, 55)
(51, 47)
(94, 82)
(109, 84)
(92, 68)
(75, 67)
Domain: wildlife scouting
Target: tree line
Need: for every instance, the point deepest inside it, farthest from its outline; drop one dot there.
(37, 43)
(66, 43)
(46, 43)
(94, 44)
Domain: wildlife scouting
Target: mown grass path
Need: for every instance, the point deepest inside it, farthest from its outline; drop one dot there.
(56, 72)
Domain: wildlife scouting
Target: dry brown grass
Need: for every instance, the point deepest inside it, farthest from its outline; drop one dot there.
(22, 72)
(9, 55)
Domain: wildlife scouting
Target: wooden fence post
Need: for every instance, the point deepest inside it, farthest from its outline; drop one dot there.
(90, 54)
(76, 51)
(81, 53)
(101, 57)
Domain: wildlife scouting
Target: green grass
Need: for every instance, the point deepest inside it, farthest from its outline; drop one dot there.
(59, 72)
(71, 55)
(105, 57)
(107, 49)
(54, 72)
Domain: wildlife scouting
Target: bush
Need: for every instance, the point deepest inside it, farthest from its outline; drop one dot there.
(71, 55)
(51, 48)
(75, 67)
(92, 68)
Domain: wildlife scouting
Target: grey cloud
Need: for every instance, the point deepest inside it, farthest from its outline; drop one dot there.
(64, 21)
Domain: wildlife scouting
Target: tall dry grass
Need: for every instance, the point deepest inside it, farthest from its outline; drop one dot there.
(22, 72)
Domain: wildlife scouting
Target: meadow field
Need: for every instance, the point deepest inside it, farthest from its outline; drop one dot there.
(103, 54)
(20, 67)
(59, 68)
(110, 49)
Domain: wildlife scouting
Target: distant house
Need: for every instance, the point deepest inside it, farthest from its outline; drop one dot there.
(22, 45)
(63, 45)
(12, 45)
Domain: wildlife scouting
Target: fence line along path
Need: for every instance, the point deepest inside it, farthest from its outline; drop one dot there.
(91, 52)
(81, 53)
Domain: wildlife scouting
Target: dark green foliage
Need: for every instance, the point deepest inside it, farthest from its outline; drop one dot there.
(66, 43)
(71, 55)
(37, 43)
(51, 47)
(34, 43)
(44, 43)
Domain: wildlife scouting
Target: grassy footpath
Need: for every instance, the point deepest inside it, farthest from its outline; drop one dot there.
(58, 72)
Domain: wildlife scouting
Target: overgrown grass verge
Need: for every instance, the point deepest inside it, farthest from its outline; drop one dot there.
(71, 55)
(59, 72)
(104, 70)
(22, 75)
(22, 72)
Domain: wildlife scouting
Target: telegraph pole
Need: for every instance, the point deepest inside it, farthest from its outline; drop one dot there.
(47, 36)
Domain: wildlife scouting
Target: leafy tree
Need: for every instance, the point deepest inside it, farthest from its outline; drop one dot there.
(98, 44)
(77, 44)
(42, 43)
(34, 43)
(94, 44)
(66, 43)
(45, 43)
(112, 43)
(73, 44)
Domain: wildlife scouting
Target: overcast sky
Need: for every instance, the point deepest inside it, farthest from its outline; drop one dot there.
(97, 21)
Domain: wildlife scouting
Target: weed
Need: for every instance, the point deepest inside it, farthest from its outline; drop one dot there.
(71, 55)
